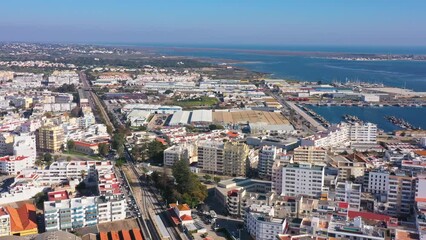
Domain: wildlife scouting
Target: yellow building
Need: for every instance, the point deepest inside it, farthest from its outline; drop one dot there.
(49, 138)
(235, 158)
(310, 154)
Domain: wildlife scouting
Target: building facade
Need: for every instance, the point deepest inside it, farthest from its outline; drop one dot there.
(310, 154)
(67, 214)
(228, 158)
(302, 179)
(349, 193)
(50, 138)
(267, 156)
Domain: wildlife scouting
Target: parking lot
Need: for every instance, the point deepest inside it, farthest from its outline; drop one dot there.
(131, 209)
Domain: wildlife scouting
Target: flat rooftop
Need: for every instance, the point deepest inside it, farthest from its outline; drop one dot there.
(251, 116)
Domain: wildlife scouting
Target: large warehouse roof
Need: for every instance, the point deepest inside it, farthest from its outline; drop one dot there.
(180, 118)
(202, 116)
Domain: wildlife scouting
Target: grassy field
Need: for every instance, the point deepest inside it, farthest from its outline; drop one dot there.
(197, 102)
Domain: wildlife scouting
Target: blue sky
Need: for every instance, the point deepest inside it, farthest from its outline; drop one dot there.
(261, 22)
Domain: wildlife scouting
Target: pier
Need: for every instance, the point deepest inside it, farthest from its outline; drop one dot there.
(306, 116)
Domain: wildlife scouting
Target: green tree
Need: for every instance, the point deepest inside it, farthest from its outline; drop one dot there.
(39, 199)
(215, 126)
(207, 177)
(216, 179)
(120, 162)
(168, 91)
(156, 151)
(192, 191)
(136, 152)
(47, 157)
(103, 149)
(70, 145)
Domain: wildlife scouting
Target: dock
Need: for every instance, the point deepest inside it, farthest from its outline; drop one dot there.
(308, 118)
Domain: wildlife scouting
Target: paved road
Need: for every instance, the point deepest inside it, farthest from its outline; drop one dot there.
(299, 111)
(308, 118)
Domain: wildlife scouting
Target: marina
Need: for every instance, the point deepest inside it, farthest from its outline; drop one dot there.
(401, 123)
(351, 119)
(376, 115)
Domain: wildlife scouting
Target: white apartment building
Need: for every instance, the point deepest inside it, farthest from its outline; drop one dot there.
(59, 78)
(210, 157)
(423, 142)
(302, 179)
(59, 172)
(354, 229)
(27, 80)
(66, 214)
(378, 182)
(25, 145)
(175, 153)
(70, 213)
(310, 154)
(350, 193)
(4, 223)
(111, 208)
(32, 181)
(343, 135)
(235, 194)
(14, 164)
(267, 157)
(363, 133)
(261, 224)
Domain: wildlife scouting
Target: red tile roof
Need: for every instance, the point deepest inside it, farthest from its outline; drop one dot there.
(137, 234)
(421, 152)
(103, 236)
(85, 144)
(173, 216)
(59, 195)
(183, 207)
(12, 158)
(369, 216)
(114, 235)
(186, 217)
(125, 235)
(23, 218)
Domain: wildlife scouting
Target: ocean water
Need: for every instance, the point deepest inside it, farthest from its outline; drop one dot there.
(408, 74)
(414, 115)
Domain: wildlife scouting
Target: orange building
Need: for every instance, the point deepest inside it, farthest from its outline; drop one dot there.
(23, 220)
